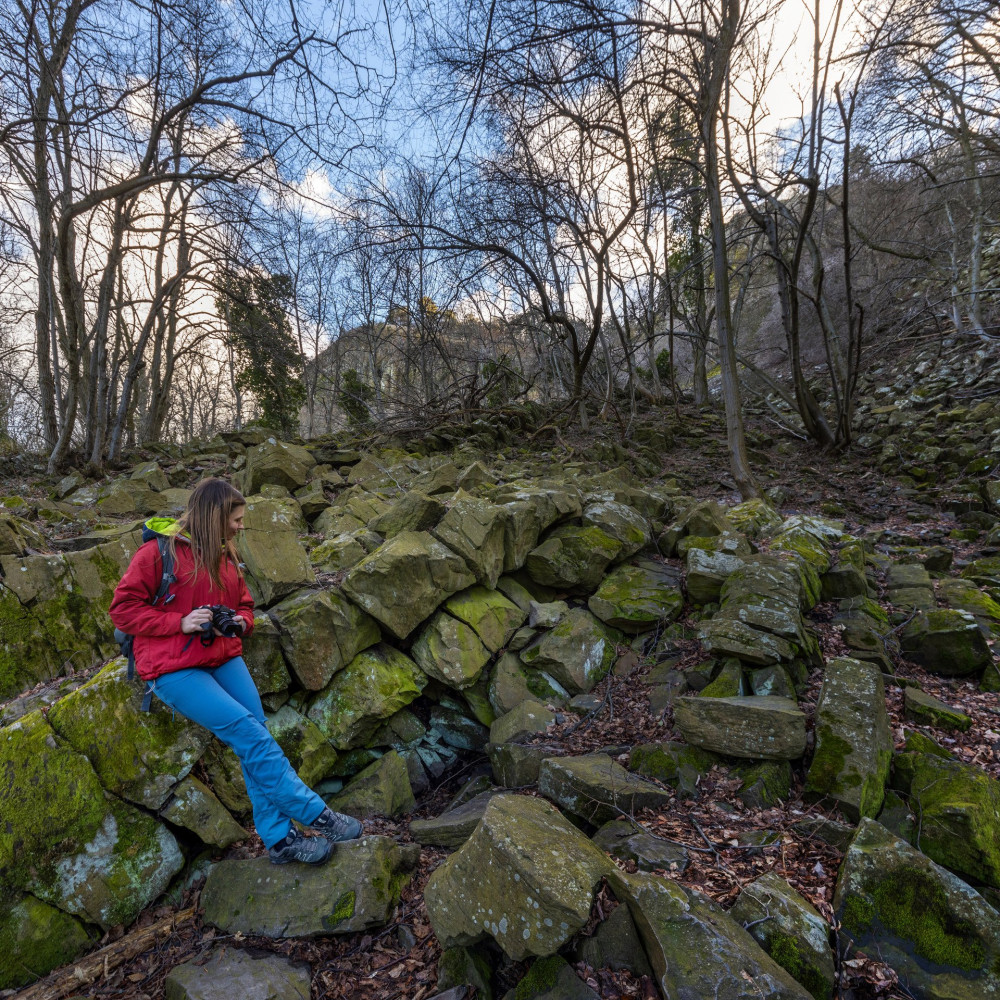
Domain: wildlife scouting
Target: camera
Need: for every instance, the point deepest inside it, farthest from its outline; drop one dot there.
(225, 620)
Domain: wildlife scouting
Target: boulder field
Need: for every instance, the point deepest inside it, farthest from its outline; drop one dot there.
(416, 611)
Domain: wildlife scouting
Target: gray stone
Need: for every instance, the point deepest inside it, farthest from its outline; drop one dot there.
(636, 597)
(356, 890)
(276, 562)
(615, 944)
(626, 840)
(194, 806)
(453, 827)
(577, 652)
(234, 973)
(381, 789)
(474, 529)
(758, 728)
(597, 789)
(528, 718)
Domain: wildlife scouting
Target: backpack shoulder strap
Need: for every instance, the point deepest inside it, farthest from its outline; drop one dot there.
(167, 577)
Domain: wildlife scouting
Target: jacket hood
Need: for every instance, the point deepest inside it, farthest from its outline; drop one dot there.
(167, 527)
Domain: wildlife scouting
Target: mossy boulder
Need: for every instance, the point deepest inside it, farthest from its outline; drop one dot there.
(193, 806)
(758, 728)
(18, 536)
(853, 752)
(530, 511)
(707, 571)
(940, 935)
(276, 562)
(790, 930)
(508, 685)
(376, 684)
(265, 661)
(491, 615)
(923, 708)
(572, 558)
(526, 878)
(140, 756)
(766, 783)
(809, 537)
(597, 789)
(450, 651)
(946, 642)
(771, 581)
(728, 683)
(123, 497)
(321, 632)
(725, 636)
(958, 806)
(334, 554)
(621, 522)
(459, 967)
(754, 517)
(474, 528)
(578, 652)
(552, 978)
(36, 938)
(985, 571)
(514, 765)
(453, 827)
(413, 511)
(526, 719)
(381, 789)
(356, 890)
(635, 597)
(963, 595)
(695, 948)
(405, 579)
(276, 463)
(302, 742)
(675, 764)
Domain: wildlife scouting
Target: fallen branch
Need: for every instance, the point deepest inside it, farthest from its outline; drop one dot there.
(106, 960)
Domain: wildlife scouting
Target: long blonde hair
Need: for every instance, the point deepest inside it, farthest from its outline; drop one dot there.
(204, 524)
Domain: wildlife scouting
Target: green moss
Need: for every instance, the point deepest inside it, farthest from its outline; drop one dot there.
(826, 770)
(727, 684)
(541, 976)
(343, 910)
(786, 951)
(859, 914)
(915, 907)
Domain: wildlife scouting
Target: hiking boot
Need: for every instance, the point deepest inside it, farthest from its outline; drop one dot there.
(336, 826)
(295, 847)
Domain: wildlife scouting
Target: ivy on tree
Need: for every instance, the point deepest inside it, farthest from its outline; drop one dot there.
(268, 361)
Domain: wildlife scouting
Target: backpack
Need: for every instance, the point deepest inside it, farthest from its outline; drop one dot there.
(126, 641)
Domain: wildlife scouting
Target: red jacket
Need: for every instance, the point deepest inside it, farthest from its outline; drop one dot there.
(159, 641)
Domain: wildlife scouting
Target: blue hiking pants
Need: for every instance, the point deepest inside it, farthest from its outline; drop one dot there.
(225, 701)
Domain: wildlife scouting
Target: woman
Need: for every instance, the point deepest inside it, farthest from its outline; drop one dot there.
(199, 672)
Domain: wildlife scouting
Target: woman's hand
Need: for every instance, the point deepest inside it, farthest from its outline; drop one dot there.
(193, 622)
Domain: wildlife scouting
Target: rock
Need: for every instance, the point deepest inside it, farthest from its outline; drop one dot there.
(125, 497)
(374, 685)
(634, 598)
(624, 839)
(462, 967)
(853, 740)
(140, 756)
(302, 742)
(962, 595)
(675, 764)
(405, 579)
(771, 581)
(696, 949)
(278, 463)
(528, 718)
(628, 527)
(381, 789)
(615, 944)
(546, 615)
(232, 972)
(790, 930)
(526, 878)
(939, 935)
(454, 827)
(489, 613)
(754, 517)
(321, 632)
(724, 637)
(758, 728)
(193, 806)
(276, 561)
(508, 685)
(707, 571)
(572, 558)
(765, 784)
(474, 529)
(530, 511)
(552, 978)
(810, 538)
(596, 789)
(929, 711)
(985, 572)
(945, 642)
(36, 938)
(958, 806)
(772, 680)
(450, 651)
(454, 727)
(356, 890)
(515, 766)
(830, 831)
(578, 652)
(18, 536)
(334, 554)
(443, 479)
(727, 684)
(265, 661)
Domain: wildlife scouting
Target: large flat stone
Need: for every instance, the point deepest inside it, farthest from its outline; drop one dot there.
(755, 727)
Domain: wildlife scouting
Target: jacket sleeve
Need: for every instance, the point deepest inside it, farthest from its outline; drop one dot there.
(245, 607)
(131, 608)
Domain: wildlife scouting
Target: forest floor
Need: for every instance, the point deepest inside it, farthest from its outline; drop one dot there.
(400, 960)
